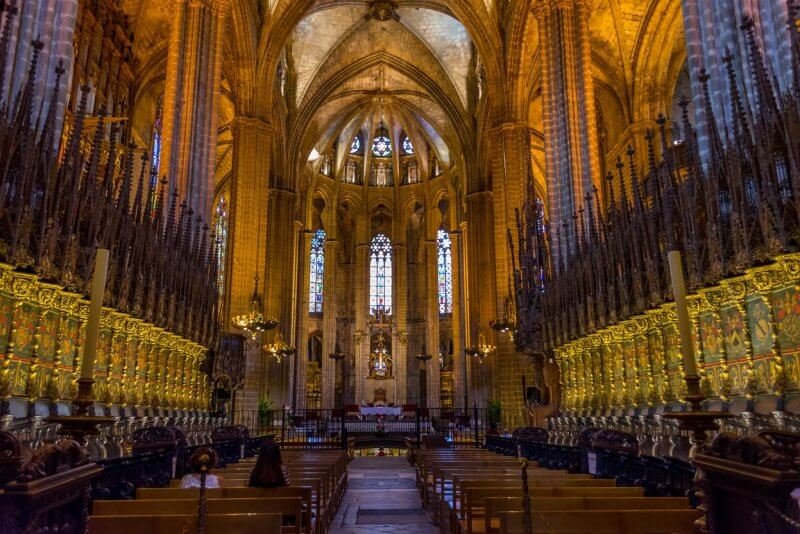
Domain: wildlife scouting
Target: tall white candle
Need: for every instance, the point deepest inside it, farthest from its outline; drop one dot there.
(682, 308)
(95, 309)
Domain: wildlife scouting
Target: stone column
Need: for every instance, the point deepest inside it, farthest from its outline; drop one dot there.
(712, 32)
(400, 347)
(301, 340)
(279, 286)
(330, 279)
(361, 349)
(433, 383)
(479, 256)
(571, 144)
(247, 241)
(459, 279)
(53, 23)
(191, 98)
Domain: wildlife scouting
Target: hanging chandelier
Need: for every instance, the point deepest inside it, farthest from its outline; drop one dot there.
(508, 324)
(337, 354)
(423, 356)
(482, 348)
(254, 321)
(279, 349)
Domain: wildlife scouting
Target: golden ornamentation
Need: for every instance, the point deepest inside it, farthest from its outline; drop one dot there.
(637, 361)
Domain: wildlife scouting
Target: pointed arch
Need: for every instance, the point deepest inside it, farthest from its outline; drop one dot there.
(380, 274)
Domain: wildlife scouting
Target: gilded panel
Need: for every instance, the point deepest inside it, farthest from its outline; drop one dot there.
(18, 372)
(27, 317)
(6, 308)
(791, 365)
(733, 332)
(711, 337)
(739, 374)
(786, 309)
(48, 336)
(759, 325)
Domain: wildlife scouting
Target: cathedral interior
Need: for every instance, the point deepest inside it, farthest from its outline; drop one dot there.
(537, 227)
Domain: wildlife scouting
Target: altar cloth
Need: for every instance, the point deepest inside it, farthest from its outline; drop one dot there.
(380, 410)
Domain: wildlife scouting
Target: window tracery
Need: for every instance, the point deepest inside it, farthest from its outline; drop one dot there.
(380, 275)
(221, 226)
(445, 268)
(156, 143)
(355, 146)
(317, 272)
(382, 145)
(408, 146)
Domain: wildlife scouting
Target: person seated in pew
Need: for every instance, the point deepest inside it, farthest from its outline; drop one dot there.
(198, 463)
(269, 471)
(492, 430)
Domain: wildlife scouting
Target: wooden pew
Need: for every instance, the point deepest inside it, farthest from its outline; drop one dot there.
(304, 493)
(443, 477)
(494, 506)
(456, 506)
(287, 507)
(176, 524)
(603, 522)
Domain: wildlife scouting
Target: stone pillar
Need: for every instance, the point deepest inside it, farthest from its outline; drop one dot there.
(191, 99)
(52, 22)
(361, 346)
(279, 282)
(481, 290)
(510, 176)
(247, 242)
(571, 144)
(400, 347)
(459, 279)
(301, 340)
(712, 31)
(432, 371)
(330, 279)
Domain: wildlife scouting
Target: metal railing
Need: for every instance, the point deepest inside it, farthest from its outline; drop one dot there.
(324, 426)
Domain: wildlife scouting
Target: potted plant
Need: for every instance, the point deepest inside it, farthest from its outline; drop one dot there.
(264, 412)
(493, 411)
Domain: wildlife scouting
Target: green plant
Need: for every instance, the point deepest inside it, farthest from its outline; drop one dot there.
(493, 409)
(264, 411)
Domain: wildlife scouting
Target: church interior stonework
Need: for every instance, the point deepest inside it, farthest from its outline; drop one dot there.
(401, 266)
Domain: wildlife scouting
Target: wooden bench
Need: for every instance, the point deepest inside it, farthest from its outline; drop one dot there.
(494, 506)
(603, 522)
(288, 507)
(472, 495)
(176, 524)
(304, 493)
(444, 488)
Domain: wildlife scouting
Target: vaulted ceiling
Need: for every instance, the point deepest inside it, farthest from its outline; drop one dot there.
(344, 60)
(422, 62)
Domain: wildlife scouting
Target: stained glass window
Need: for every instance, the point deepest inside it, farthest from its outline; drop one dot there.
(355, 146)
(445, 273)
(156, 145)
(408, 147)
(221, 237)
(317, 271)
(380, 275)
(382, 145)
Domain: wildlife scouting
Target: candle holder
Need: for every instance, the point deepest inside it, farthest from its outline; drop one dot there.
(80, 424)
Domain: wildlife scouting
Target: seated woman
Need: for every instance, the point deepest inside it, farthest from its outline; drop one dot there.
(269, 471)
(202, 461)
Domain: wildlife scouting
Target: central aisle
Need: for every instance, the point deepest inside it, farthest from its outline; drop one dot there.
(382, 498)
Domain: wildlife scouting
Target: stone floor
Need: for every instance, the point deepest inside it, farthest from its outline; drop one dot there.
(381, 498)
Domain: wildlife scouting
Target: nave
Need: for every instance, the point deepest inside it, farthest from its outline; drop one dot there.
(446, 490)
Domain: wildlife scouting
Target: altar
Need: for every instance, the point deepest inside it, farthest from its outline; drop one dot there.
(380, 410)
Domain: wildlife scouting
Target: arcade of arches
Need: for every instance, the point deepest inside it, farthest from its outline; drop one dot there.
(364, 163)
